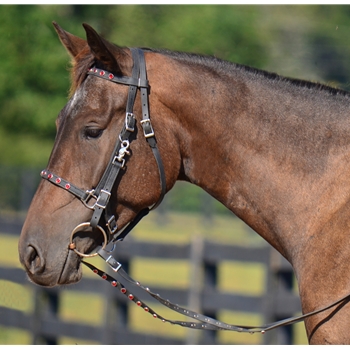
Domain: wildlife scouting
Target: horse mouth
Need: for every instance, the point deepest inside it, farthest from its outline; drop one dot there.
(71, 271)
(83, 244)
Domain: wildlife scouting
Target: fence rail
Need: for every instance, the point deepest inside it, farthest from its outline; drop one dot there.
(276, 302)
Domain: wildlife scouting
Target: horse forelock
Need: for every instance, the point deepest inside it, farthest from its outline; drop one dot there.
(80, 66)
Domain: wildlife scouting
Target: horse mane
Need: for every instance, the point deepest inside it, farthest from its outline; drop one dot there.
(85, 60)
(220, 65)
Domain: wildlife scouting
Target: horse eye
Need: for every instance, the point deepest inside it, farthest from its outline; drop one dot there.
(92, 133)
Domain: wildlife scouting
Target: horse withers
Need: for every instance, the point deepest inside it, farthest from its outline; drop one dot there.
(273, 150)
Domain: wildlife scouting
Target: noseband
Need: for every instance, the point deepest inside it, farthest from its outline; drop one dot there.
(97, 199)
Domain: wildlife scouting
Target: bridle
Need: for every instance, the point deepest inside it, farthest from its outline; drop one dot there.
(97, 199)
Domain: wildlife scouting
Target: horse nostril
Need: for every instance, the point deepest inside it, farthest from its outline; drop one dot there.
(33, 261)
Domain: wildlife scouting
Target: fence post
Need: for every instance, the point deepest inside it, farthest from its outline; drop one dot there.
(46, 303)
(281, 279)
(210, 282)
(196, 282)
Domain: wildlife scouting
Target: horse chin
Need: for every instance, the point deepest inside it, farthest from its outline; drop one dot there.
(71, 272)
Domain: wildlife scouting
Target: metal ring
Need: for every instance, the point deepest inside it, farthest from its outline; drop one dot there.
(72, 244)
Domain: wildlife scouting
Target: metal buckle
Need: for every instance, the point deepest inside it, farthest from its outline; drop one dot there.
(112, 231)
(147, 134)
(113, 264)
(105, 199)
(127, 126)
(90, 194)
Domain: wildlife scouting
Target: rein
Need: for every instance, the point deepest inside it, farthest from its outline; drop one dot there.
(97, 199)
(205, 322)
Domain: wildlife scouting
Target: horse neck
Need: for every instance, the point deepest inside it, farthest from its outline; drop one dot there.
(256, 144)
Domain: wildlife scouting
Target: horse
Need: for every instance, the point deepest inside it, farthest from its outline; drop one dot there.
(273, 150)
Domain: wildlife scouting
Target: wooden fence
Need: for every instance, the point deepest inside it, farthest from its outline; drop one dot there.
(278, 301)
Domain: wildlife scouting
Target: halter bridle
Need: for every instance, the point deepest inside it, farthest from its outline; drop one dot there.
(100, 197)
(97, 199)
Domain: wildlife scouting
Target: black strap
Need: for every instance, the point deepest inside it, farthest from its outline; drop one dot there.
(131, 81)
(66, 185)
(148, 129)
(205, 322)
(98, 198)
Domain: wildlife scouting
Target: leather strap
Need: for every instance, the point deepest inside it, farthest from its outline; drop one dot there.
(205, 322)
(100, 196)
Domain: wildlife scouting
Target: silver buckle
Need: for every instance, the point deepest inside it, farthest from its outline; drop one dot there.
(89, 196)
(111, 232)
(113, 264)
(151, 133)
(127, 127)
(106, 200)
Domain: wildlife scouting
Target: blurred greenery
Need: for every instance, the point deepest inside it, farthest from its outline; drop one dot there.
(302, 41)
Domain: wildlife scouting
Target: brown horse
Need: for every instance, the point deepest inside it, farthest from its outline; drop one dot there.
(275, 151)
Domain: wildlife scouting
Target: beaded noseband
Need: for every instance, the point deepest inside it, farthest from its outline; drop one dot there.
(100, 196)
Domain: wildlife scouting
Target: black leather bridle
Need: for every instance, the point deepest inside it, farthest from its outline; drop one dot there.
(100, 197)
(97, 199)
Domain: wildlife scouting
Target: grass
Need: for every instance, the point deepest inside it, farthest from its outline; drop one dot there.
(175, 228)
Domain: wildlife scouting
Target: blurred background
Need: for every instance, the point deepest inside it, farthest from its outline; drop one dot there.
(310, 42)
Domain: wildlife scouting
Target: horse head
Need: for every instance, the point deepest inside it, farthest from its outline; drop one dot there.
(88, 130)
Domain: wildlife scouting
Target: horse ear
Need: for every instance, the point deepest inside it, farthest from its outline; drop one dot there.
(105, 52)
(72, 43)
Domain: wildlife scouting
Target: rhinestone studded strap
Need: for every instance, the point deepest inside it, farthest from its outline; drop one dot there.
(202, 321)
(66, 185)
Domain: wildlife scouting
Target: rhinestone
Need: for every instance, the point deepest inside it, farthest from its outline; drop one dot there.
(114, 283)
(50, 176)
(58, 180)
(146, 309)
(123, 290)
(155, 316)
(130, 296)
(138, 303)
(102, 72)
(104, 276)
(67, 187)
(95, 271)
(111, 76)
